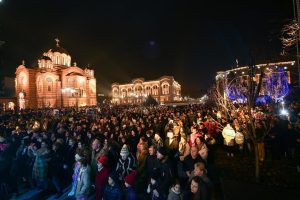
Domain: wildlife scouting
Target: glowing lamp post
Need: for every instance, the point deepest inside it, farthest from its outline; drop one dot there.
(283, 111)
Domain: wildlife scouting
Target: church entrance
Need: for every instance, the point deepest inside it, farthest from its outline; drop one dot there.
(22, 100)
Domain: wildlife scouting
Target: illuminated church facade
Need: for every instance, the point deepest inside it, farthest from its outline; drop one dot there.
(55, 82)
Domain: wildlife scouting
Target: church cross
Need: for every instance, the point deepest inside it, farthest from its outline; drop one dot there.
(57, 42)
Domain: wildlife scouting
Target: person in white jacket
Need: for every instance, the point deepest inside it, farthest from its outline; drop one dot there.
(229, 134)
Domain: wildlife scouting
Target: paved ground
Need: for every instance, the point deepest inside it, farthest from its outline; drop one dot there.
(236, 190)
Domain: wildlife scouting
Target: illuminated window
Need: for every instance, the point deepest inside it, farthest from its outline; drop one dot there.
(139, 90)
(148, 90)
(124, 93)
(155, 90)
(49, 84)
(165, 89)
(115, 92)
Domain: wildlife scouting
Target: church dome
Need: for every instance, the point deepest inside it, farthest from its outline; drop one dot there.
(60, 50)
(58, 55)
(45, 58)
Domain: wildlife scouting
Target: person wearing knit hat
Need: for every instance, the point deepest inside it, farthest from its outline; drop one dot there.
(124, 152)
(101, 176)
(129, 181)
(125, 164)
(102, 160)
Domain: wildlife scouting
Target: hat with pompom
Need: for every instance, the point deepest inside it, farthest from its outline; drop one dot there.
(103, 160)
(129, 179)
(124, 150)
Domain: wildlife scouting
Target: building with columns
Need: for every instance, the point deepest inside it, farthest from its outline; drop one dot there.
(165, 89)
(55, 82)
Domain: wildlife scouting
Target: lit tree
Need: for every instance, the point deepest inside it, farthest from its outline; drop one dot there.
(150, 101)
(277, 86)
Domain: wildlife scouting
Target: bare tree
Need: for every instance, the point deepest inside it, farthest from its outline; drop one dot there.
(245, 111)
(289, 35)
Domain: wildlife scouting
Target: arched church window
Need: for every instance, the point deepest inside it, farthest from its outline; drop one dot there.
(49, 84)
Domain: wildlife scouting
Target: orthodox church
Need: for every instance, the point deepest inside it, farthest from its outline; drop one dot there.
(55, 82)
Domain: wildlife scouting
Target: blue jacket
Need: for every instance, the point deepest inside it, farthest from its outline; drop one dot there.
(130, 194)
(112, 193)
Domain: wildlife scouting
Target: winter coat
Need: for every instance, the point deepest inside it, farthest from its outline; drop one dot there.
(130, 193)
(165, 175)
(112, 193)
(95, 156)
(172, 148)
(101, 180)
(69, 156)
(40, 166)
(150, 190)
(151, 164)
(74, 179)
(83, 182)
(55, 164)
(124, 167)
(173, 196)
(228, 134)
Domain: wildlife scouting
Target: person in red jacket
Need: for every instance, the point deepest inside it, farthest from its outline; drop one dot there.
(101, 176)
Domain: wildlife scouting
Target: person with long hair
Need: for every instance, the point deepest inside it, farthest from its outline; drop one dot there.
(197, 190)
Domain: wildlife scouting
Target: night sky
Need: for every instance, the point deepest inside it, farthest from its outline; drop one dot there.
(121, 40)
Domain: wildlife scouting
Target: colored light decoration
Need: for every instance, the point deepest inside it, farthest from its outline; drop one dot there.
(277, 84)
(284, 112)
(275, 87)
(236, 91)
(263, 99)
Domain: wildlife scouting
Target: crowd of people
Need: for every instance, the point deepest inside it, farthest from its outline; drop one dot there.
(132, 152)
